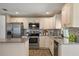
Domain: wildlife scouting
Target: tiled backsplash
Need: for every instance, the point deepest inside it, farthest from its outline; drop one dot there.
(45, 32)
(74, 30)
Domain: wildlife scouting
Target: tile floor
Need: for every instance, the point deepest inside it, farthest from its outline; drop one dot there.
(39, 52)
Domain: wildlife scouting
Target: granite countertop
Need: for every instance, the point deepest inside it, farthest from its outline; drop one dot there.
(73, 43)
(58, 39)
(14, 40)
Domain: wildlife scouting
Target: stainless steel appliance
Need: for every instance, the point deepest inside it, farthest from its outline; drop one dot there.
(55, 48)
(14, 30)
(33, 35)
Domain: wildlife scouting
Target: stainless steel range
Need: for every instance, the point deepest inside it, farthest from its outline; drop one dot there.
(33, 35)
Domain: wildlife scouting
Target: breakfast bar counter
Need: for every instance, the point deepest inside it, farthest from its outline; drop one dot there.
(14, 47)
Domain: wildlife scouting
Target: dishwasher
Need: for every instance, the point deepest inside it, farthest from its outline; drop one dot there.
(55, 48)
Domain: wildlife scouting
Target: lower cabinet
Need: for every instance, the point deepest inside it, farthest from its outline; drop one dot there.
(51, 46)
(55, 48)
(47, 42)
(44, 42)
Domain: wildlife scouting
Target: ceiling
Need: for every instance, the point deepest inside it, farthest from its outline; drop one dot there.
(31, 9)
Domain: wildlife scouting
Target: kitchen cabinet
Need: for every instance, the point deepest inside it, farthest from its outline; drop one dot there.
(44, 42)
(55, 48)
(33, 20)
(66, 15)
(3, 27)
(58, 21)
(70, 15)
(54, 45)
(18, 20)
(51, 46)
(47, 23)
(75, 15)
(15, 47)
(47, 42)
(8, 19)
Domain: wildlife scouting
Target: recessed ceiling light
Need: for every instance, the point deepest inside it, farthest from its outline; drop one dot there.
(33, 25)
(47, 12)
(4, 9)
(17, 12)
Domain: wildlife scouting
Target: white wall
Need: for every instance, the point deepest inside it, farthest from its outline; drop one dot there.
(2, 27)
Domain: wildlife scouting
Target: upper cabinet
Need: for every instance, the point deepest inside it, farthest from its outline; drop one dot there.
(3, 27)
(8, 19)
(67, 15)
(21, 20)
(70, 15)
(56, 21)
(75, 15)
(47, 23)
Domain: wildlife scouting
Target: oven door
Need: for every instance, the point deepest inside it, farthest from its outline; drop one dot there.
(55, 48)
(33, 40)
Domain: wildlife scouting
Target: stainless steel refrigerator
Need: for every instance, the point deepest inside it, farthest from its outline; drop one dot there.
(15, 30)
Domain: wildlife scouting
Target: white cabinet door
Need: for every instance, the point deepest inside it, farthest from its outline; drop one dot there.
(19, 20)
(51, 46)
(8, 18)
(58, 21)
(44, 41)
(70, 15)
(67, 12)
(47, 23)
(75, 15)
(2, 27)
(47, 41)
